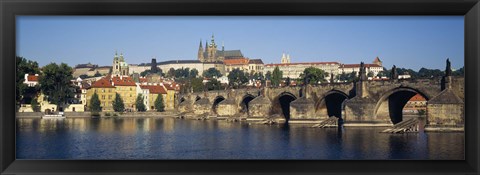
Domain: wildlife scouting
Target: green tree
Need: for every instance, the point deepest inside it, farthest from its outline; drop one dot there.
(35, 105)
(276, 76)
(171, 73)
(314, 75)
(83, 76)
(211, 73)
(370, 74)
(94, 106)
(193, 73)
(118, 105)
(459, 72)
(197, 84)
(139, 103)
(213, 84)
(55, 83)
(97, 74)
(237, 78)
(159, 106)
(23, 67)
(268, 75)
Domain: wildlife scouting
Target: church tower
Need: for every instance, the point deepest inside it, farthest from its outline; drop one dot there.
(212, 50)
(200, 52)
(377, 61)
(285, 59)
(115, 66)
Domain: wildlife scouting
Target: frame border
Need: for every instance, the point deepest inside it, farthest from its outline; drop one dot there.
(10, 8)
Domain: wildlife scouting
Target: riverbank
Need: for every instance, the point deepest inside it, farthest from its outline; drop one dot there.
(102, 114)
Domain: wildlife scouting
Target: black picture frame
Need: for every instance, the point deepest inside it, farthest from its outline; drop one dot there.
(10, 8)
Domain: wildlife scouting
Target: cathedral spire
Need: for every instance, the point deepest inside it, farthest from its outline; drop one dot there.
(201, 43)
(223, 46)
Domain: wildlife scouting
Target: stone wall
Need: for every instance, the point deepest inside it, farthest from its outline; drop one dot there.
(445, 115)
(302, 108)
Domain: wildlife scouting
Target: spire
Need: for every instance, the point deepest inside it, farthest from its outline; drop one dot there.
(223, 46)
(206, 45)
(201, 43)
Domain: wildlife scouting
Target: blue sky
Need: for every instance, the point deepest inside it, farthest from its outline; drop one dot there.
(406, 41)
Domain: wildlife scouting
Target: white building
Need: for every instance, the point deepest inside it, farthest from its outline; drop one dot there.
(31, 80)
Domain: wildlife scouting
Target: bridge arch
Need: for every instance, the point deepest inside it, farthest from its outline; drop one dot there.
(182, 99)
(331, 103)
(281, 104)
(198, 98)
(244, 104)
(391, 103)
(217, 100)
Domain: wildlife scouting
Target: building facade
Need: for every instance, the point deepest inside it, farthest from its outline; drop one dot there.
(126, 87)
(105, 91)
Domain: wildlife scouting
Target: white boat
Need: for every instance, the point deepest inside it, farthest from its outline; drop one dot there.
(60, 115)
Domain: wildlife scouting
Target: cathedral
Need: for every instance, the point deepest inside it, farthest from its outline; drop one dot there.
(211, 54)
(120, 67)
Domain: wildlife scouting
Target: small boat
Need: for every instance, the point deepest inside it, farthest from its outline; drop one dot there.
(60, 115)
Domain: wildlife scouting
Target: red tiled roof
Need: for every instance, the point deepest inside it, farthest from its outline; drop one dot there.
(418, 97)
(306, 63)
(358, 65)
(143, 80)
(32, 78)
(102, 83)
(235, 61)
(154, 89)
(123, 81)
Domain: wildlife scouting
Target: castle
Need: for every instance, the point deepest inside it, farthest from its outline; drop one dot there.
(210, 54)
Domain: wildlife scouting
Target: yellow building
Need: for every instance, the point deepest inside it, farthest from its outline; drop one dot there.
(170, 100)
(126, 87)
(105, 91)
(153, 92)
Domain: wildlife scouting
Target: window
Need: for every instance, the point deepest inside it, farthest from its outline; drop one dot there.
(103, 90)
(110, 97)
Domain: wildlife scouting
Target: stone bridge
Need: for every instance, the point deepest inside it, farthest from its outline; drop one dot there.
(363, 102)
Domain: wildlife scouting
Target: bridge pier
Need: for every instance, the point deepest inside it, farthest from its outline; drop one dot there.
(260, 108)
(361, 111)
(303, 109)
(445, 111)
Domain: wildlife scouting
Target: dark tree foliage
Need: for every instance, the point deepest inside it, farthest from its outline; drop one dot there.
(237, 78)
(139, 103)
(213, 84)
(171, 73)
(197, 84)
(83, 76)
(212, 73)
(147, 72)
(94, 106)
(159, 104)
(97, 74)
(25, 66)
(276, 76)
(288, 81)
(314, 75)
(459, 72)
(429, 73)
(55, 83)
(351, 77)
(193, 73)
(118, 105)
(268, 75)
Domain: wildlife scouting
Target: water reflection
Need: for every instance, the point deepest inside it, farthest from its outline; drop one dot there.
(169, 138)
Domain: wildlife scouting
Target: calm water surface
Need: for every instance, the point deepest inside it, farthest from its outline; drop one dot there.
(168, 138)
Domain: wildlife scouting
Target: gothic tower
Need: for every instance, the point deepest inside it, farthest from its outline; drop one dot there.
(200, 52)
(212, 50)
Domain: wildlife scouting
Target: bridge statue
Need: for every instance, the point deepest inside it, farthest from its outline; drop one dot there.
(394, 73)
(362, 72)
(448, 70)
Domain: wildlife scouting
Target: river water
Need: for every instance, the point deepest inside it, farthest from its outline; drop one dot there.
(169, 138)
